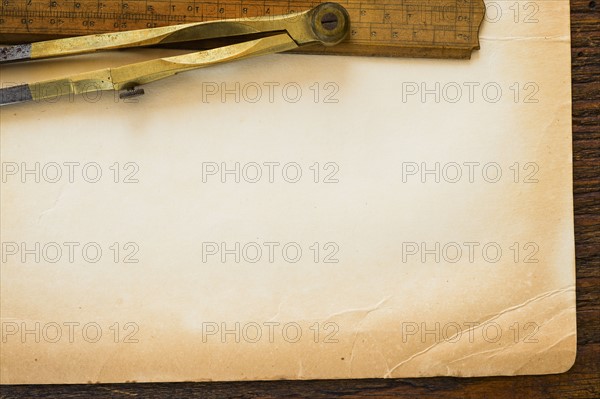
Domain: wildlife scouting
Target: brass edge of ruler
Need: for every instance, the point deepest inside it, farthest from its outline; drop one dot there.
(461, 53)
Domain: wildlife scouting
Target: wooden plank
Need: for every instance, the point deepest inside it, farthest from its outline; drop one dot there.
(582, 381)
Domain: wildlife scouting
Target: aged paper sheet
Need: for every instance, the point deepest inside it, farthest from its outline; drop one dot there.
(296, 217)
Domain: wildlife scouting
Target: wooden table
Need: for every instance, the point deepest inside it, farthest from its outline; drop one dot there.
(582, 381)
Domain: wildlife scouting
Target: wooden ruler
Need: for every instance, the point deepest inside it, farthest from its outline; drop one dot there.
(415, 28)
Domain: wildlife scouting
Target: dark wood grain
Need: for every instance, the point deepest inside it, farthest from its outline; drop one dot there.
(582, 381)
